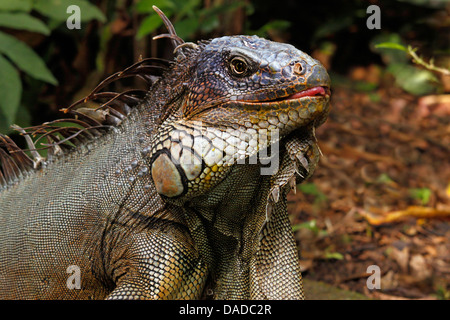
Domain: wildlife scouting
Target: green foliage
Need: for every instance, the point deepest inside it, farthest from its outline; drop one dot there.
(57, 9)
(10, 91)
(332, 26)
(16, 5)
(421, 194)
(16, 55)
(23, 21)
(310, 225)
(410, 78)
(391, 45)
(311, 189)
(384, 179)
(188, 17)
(25, 58)
(442, 293)
(338, 80)
(278, 25)
(333, 255)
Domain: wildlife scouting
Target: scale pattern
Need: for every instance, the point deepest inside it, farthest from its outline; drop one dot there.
(181, 194)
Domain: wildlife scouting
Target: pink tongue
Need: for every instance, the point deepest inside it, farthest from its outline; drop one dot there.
(308, 93)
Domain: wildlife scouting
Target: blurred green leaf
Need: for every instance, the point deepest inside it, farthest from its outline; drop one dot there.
(210, 16)
(25, 58)
(210, 23)
(23, 21)
(391, 45)
(146, 6)
(374, 97)
(384, 179)
(412, 79)
(57, 9)
(23, 116)
(223, 8)
(364, 86)
(396, 55)
(148, 25)
(279, 25)
(332, 26)
(10, 91)
(442, 293)
(188, 16)
(186, 27)
(346, 238)
(187, 7)
(310, 225)
(311, 188)
(392, 53)
(421, 194)
(333, 255)
(4, 124)
(16, 5)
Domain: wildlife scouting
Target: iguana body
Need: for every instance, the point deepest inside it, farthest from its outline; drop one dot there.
(160, 206)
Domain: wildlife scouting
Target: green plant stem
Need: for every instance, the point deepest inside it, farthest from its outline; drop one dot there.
(429, 65)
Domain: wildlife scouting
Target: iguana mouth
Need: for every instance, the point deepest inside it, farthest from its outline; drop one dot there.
(289, 98)
(320, 91)
(311, 92)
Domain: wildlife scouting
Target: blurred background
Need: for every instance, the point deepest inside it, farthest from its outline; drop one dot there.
(381, 193)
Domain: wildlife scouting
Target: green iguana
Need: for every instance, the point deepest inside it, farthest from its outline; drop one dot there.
(175, 192)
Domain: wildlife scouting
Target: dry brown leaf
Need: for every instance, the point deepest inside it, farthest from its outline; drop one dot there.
(401, 257)
(434, 104)
(389, 280)
(420, 269)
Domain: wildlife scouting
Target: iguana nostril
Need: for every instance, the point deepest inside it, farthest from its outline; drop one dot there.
(299, 69)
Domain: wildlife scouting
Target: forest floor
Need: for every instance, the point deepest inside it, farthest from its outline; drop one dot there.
(380, 196)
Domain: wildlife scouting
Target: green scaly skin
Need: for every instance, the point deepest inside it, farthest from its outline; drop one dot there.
(174, 203)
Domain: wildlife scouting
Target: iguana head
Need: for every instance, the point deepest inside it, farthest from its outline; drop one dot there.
(240, 96)
(250, 80)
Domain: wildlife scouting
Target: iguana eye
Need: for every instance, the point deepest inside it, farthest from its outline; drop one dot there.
(238, 66)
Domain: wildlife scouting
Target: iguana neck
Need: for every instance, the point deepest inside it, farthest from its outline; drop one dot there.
(226, 226)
